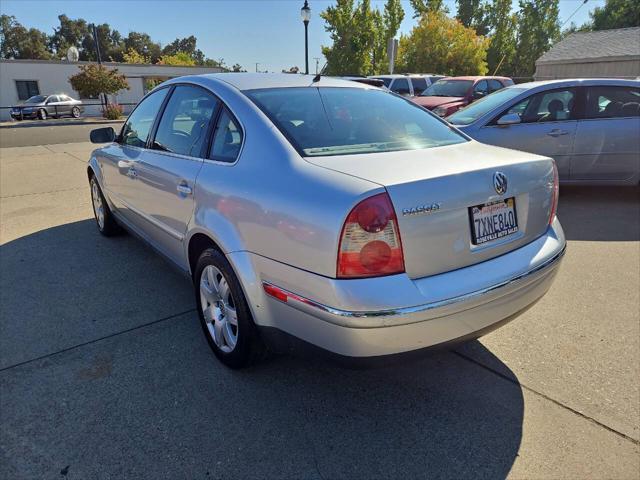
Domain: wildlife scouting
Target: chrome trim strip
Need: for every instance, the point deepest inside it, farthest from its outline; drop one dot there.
(342, 317)
(168, 230)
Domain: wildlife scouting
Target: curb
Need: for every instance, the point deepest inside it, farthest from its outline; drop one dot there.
(46, 123)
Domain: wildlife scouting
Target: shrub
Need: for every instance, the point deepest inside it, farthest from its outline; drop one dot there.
(113, 111)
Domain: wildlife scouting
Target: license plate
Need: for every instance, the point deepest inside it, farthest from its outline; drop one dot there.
(492, 221)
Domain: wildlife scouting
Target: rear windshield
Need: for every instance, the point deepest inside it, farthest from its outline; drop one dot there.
(448, 88)
(340, 121)
(478, 108)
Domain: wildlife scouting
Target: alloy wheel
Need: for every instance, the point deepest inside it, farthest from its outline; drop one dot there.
(98, 206)
(218, 308)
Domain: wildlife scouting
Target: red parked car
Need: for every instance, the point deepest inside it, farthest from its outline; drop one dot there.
(450, 94)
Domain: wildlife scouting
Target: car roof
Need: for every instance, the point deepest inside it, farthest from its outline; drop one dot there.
(578, 82)
(251, 81)
(477, 77)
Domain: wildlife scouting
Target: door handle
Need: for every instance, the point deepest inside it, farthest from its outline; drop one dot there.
(184, 188)
(556, 132)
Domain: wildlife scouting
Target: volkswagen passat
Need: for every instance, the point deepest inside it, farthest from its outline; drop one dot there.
(322, 212)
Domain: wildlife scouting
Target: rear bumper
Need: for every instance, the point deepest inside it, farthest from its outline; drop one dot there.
(461, 304)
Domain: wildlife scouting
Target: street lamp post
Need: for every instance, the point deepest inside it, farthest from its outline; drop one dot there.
(305, 13)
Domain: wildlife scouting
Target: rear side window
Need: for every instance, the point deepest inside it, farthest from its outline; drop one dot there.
(341, 121)
(419, 85)
(481, 87)
(185, 121)
(400, 86)
(612, 102)
(136, 131)
(494, 85)
(227, 139)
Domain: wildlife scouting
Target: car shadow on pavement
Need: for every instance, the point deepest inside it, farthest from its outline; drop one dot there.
(150, 400)
(600, 213)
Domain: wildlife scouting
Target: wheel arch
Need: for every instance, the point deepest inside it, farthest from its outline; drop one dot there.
(197, 244)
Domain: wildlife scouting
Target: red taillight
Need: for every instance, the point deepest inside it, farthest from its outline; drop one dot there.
(554, 194)
(370, 243)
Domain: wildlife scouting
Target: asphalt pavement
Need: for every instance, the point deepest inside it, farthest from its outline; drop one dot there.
(105, 373)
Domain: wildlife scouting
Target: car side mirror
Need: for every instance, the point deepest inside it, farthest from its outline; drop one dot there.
(509, 119)
(102, 135)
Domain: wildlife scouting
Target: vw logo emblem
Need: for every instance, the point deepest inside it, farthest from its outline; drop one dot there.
(500, 183)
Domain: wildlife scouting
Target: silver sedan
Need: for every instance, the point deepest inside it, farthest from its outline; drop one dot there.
(590, 127)
(326, 213)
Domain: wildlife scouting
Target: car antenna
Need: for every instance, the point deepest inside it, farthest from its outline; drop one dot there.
(318, 75)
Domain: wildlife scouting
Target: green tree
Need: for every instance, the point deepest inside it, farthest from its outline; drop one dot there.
(420, 7)
(132, 56)
(70, 33)
(142, 43)
(359, 34)
(503, 37)
(180, 59)
(616, 14)
(237, 68)
(474, 14)
(93, 79)
(538, 29)
(185, 45)
(442, 44)
(110, 42)
(386, 26)
(18, 42)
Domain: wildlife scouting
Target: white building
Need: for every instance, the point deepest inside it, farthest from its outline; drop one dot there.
(21, 79)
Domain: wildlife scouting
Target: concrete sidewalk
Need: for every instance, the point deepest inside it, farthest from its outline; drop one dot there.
(104, 371)
(58, 122)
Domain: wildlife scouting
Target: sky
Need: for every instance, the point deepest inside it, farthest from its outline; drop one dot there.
(267, 32)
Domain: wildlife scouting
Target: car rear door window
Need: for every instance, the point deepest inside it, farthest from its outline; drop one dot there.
(419, 85)
(185, 121)
(227, 139)
(494, 85)
(136, 130)
(400, 86)
(550, 106)
(612, 102)
(482, 88)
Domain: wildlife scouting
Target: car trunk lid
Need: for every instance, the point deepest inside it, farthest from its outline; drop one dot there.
(432, 191)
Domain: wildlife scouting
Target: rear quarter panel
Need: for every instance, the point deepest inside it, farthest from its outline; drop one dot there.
(272, 202)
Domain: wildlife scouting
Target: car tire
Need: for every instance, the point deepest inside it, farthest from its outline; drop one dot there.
(105, 220)
(42, 114)
(221, 303)
(75, 112)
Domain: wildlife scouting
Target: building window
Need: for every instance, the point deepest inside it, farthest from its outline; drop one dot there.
(27, 89)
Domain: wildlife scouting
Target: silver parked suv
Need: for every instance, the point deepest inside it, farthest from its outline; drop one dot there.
(328, 213)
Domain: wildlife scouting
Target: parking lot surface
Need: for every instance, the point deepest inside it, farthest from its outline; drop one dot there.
(104, 371)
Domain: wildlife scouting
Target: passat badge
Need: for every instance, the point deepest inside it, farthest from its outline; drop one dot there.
(421, 209)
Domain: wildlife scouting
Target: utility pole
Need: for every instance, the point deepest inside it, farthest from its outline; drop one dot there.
(104, 101)
(257, 67)
(317, 63)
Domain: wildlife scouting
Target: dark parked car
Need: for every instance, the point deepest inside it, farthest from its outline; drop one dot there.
(44, 106)
(450, 94)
